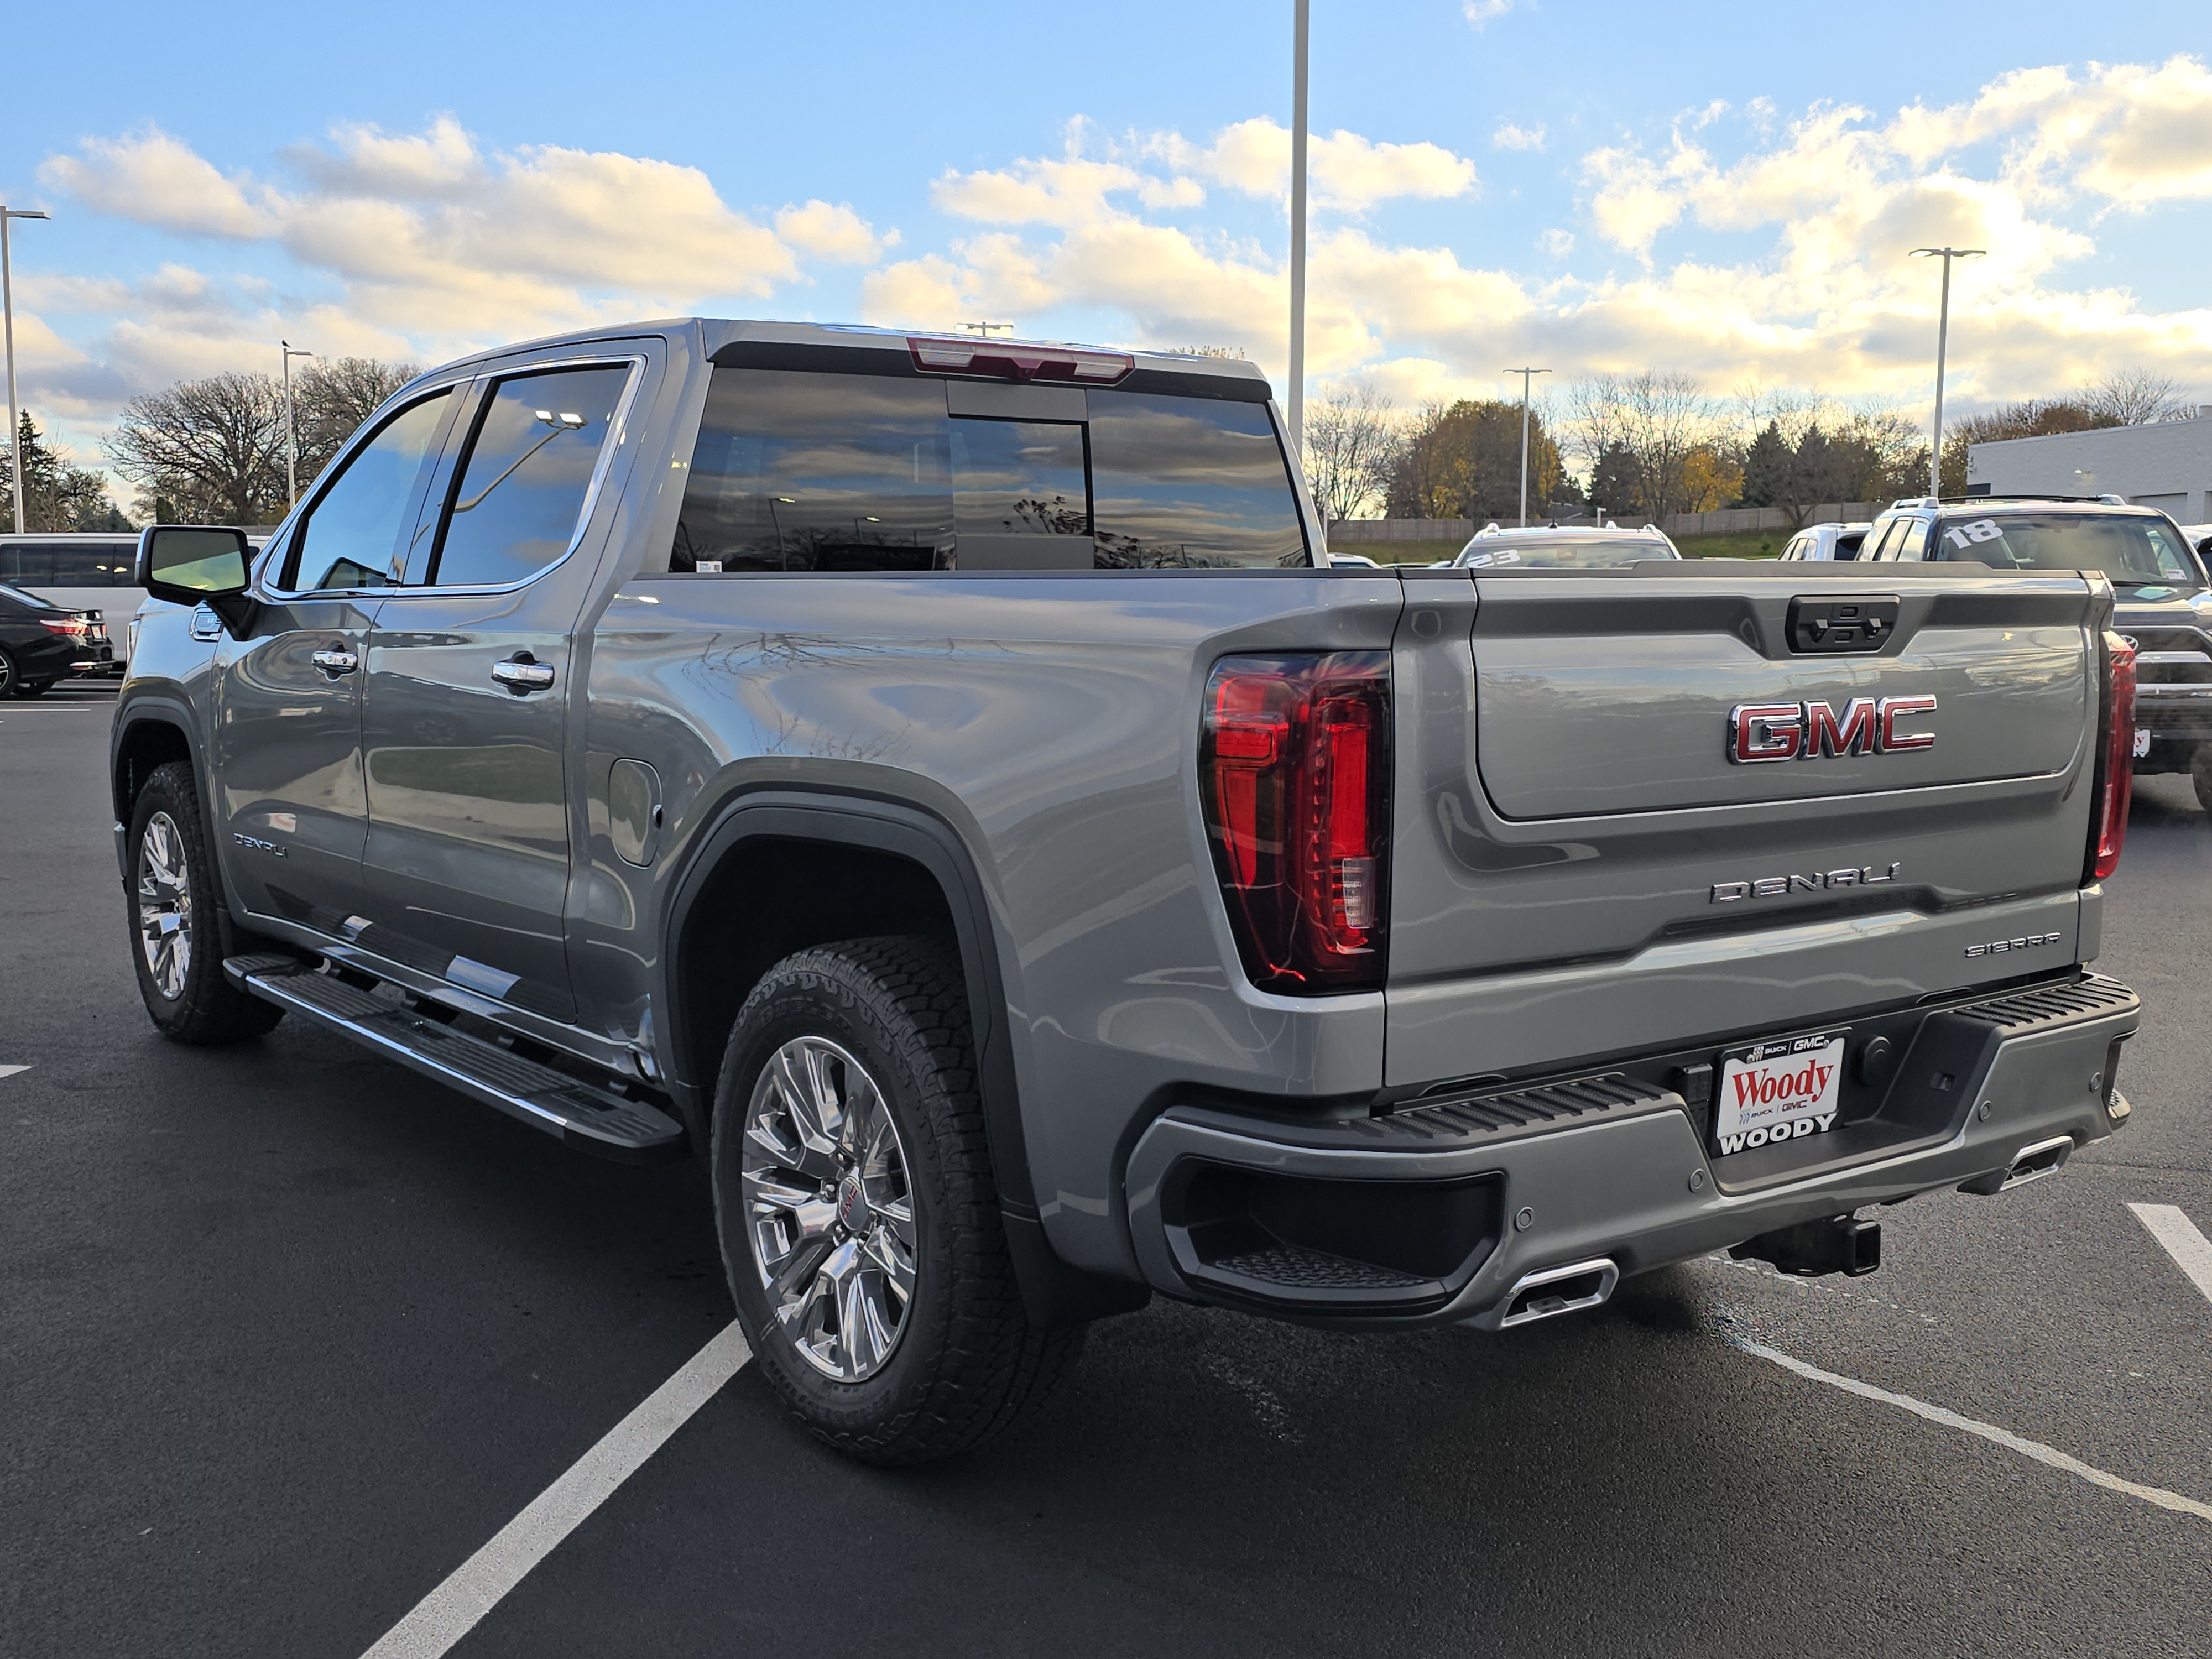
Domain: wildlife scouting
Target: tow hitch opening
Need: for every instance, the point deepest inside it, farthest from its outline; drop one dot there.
(1811, 1249)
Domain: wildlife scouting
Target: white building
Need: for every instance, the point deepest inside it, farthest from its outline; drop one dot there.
(2168, 465)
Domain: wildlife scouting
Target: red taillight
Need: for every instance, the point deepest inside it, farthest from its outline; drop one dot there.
(1294, 764)
(2116, 765)
(75, 627)
(1020, 359)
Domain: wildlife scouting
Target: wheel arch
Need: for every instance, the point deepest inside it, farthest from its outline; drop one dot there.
(925, 879)
(149, 732)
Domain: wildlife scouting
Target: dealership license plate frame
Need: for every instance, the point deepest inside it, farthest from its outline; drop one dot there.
(1832, 1042)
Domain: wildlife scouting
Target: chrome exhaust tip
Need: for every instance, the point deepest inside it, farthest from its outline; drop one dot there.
(2029, 1163)
(1558, 1291)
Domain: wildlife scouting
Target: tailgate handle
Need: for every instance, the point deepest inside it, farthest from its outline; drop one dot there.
(1827, 625)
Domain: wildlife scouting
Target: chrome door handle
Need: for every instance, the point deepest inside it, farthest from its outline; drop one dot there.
(522, 677)
(336, 662)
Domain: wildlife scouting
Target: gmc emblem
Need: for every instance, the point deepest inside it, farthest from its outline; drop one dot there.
(1762, 732)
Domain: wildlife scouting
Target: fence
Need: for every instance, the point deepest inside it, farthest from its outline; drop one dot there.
(1734, 520)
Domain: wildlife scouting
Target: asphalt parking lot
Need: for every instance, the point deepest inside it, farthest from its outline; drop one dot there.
(287, 1333)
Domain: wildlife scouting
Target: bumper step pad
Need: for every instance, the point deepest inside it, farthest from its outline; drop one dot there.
(590, 1118)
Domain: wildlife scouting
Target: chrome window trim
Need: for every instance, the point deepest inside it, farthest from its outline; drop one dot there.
(617, 430)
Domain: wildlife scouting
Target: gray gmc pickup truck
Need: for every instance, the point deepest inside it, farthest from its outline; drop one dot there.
(943, 786)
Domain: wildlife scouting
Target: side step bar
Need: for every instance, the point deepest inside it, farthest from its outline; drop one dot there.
(592, 1120)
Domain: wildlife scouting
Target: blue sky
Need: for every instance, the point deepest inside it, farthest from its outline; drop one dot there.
(1727, 189)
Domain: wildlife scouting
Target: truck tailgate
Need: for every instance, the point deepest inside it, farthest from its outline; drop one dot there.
(1589, 855)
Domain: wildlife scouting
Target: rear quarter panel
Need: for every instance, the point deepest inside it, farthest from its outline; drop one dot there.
(1052, 721)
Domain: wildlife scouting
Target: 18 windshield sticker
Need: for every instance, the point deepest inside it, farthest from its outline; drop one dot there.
(1965, 535)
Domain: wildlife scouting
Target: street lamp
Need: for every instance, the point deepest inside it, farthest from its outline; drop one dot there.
(8, 320)
(1526, 375)
(1298, 234)
(291, 437)
(1942, 339)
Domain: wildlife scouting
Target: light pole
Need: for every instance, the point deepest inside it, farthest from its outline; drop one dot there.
(8, 320)
(291, 437)
(1298, 236)
(1526, 375)
(1942, 340)
(984, 330)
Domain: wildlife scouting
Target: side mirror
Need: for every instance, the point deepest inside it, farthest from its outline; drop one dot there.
(197, 564)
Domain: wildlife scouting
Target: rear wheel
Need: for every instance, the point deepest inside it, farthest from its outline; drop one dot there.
(859, 1219)
(2200, 776)
(11, 683)
(176, 906)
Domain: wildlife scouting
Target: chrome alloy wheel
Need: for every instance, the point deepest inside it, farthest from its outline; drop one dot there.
(165, 905)
(829, 1210)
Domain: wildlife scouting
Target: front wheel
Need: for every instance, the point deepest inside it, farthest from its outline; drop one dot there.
(858, 1217)
(175, 906)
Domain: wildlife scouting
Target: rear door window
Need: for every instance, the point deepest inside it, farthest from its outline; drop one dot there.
(518, 499)
(795, 470)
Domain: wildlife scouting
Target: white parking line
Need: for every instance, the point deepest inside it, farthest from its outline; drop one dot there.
(11, 1071)
(451, 1611)
(2190, 1250)
(2035, 1448)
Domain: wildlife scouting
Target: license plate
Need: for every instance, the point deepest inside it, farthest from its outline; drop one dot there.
(2142, 741)
(1781, 1091)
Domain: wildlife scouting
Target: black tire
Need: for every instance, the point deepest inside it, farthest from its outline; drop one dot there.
(200, 1005)
(965, 1363)
(2200, 776)
(10, 681)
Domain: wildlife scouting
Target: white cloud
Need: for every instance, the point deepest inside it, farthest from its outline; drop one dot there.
(1557, 243)
(836, 232)
(1348, 171)
(1479, 12)
(154, 178)
(1510, 137)
(429, 245)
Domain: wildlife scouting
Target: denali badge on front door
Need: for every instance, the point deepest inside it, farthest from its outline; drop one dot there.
(1777, 1092)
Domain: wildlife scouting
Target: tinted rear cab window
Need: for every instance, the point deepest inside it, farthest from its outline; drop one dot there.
(797, 471)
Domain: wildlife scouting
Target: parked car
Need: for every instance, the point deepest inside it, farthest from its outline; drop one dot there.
(91, 573)
(1553, 547)
(1830, 540)
(2164, 608)
(935, 782)
(2200, 537)
(42, 643)
(1353, 561)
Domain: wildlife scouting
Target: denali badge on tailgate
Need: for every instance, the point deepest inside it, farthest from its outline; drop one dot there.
(1762, 732)
(1863, 875)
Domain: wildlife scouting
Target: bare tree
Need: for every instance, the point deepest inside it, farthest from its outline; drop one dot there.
(1353, 441)
(333, 398)
(207, 450)
(2138, 396)
(1639, 432)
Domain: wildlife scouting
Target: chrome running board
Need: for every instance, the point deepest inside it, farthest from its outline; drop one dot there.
(590, 1118)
